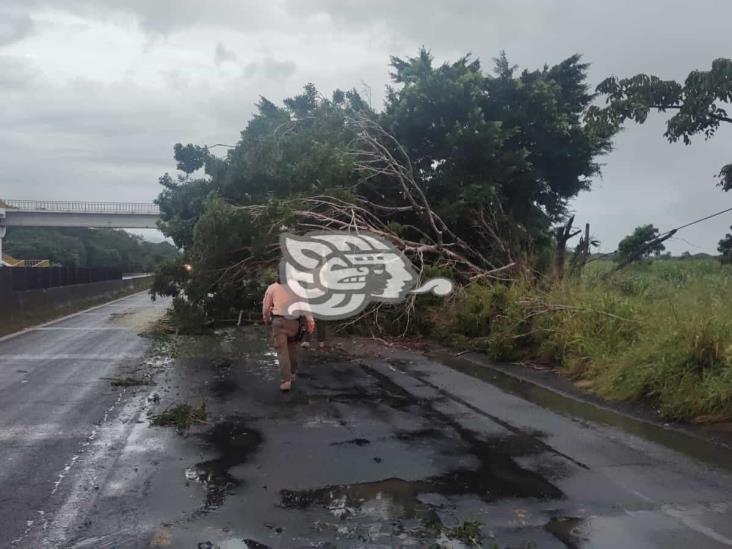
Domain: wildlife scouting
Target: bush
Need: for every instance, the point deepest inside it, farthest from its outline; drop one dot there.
(660, 331)
(188, 318)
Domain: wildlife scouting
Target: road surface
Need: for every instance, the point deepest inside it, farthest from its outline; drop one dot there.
(56, 399)
(375, 447)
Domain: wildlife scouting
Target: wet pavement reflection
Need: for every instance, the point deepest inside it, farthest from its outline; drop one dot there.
(362, 453)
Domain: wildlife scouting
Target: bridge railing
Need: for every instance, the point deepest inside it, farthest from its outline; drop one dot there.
(135, 208)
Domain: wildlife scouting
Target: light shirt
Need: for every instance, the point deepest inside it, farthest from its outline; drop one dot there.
(277, 299)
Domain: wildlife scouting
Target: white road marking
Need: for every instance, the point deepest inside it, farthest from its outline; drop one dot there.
(92, 451)
(31, 433)
(97, 446)
(686, 517)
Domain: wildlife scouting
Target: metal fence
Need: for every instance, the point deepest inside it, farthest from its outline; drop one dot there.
(139, 208)
(20, 279)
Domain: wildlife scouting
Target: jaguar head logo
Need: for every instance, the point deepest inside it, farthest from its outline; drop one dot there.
(338, 273)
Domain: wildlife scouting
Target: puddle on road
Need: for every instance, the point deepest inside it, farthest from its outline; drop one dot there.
(497, 475)
(490, 473)
(223, 384)
(354, 441)
(388, 499)
(410, 436)
(234, 441)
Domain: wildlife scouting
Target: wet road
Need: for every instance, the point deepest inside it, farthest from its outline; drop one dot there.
(377, 448)
(55, 402)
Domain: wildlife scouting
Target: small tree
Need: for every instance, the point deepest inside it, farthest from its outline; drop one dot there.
(725, 248)
(642, 243)
(190, 158)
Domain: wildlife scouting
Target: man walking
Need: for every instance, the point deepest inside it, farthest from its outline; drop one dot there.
(286, 333)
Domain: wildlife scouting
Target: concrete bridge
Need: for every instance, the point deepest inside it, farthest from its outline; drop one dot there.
(46, 213)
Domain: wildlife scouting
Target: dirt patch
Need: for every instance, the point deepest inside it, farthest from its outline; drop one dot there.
(143, 320)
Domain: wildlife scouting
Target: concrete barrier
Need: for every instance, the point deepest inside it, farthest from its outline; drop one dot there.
(19, 310)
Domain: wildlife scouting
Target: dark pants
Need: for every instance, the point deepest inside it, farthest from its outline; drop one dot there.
(321, 332)
(288, 353)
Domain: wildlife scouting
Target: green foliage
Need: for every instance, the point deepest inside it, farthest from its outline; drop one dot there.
(181, 416)
(659, 331)
(725, 248)
(478, 138)
(510, 142)
(88, 248)
(467, 532)
(640, 244)
(725, 177)
(189, 158)
(181, 204)
(299, 148)
(188, 318)
(170, 278)
(698, 104)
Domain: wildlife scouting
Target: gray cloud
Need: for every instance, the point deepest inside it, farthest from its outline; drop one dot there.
(16, 73)
(222, 55)
(165, 16)
(91, 141)
(269, 68)
(69, 129)
(14, 25)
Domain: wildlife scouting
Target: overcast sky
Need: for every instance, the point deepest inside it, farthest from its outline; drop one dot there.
(94, 93)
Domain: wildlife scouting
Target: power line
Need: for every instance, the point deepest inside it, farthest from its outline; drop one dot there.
(671, 231)
(700, 220)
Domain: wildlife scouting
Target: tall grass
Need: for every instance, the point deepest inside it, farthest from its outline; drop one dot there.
(660, 331)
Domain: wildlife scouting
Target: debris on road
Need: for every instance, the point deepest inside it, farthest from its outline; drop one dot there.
(181, 416)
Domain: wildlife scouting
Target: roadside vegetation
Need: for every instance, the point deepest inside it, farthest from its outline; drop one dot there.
(660, 331)
(77, 247)
(469, 173)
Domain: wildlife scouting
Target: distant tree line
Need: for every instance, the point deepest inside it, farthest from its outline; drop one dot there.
(77, 247)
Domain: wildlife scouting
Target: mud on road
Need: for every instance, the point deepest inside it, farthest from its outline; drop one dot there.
(382, 451)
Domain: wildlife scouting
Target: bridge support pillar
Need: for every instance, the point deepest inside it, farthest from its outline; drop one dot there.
(3, 228)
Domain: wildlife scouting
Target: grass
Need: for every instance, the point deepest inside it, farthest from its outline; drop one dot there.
(181, 416)
(659, 331)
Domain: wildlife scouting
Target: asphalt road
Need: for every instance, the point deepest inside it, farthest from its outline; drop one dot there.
(375, 447)
(54, 404)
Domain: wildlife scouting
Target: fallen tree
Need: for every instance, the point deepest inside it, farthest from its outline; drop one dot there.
(464, 172)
